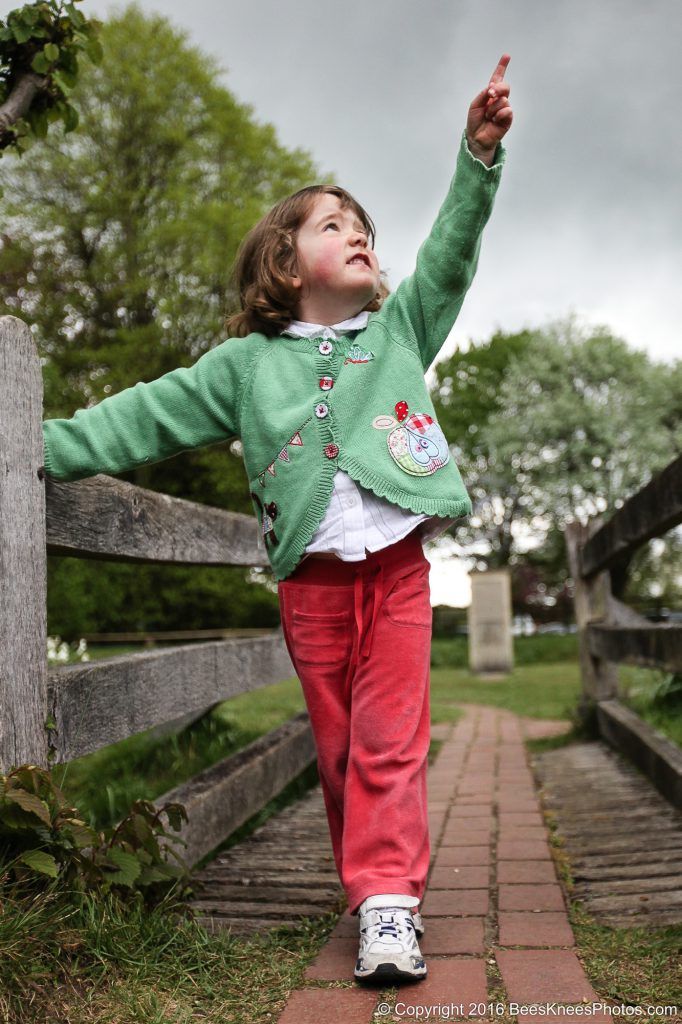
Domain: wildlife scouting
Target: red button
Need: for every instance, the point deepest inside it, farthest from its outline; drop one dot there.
(326, 383)
(331, 450)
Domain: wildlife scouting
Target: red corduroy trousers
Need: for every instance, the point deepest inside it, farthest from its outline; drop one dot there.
(359, 636)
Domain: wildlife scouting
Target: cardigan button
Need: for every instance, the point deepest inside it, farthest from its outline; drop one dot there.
(325, 347)
(326, 383)
(331, 450)
(321, 410)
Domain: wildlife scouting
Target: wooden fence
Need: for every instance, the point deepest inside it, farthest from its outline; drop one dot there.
(95, 704)
(610, 632)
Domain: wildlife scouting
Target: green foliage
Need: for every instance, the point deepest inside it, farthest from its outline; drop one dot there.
(46, 38)
(668, 693)
(654, 574)
(100, 959)
(116, 245)
(655, 695)
(467, 389)
(549, 425)
(42, 835)
(87, 596)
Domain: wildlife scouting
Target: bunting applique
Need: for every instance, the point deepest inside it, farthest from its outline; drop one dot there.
(296, 441)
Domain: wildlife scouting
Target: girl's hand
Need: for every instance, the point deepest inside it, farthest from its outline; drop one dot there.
(490, 115)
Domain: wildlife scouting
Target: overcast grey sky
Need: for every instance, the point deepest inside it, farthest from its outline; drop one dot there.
(588, 215)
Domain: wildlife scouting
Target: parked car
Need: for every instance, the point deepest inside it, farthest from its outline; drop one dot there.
(523, 625)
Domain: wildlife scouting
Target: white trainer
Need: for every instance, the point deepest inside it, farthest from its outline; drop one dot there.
(388, 946)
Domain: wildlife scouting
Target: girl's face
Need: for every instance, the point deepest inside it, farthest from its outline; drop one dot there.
(338, 272)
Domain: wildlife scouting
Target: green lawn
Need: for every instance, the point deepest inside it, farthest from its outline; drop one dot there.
(539, 691)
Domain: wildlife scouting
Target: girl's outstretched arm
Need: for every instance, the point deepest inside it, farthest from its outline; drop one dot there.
(187, 408)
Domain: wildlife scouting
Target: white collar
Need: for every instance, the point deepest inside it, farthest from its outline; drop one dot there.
(301, 329)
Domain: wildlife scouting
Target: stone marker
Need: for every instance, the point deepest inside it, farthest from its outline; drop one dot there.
(490, 636)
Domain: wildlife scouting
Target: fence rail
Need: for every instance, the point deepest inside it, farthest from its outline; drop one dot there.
(610, 632)
(110, 519)
(650, 513)
(95, 704)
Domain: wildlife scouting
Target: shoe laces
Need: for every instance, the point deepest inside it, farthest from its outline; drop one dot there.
(392, 921)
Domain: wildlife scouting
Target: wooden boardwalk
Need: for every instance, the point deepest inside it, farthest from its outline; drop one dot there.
(495, 911)
(623, 839)
(282, 872)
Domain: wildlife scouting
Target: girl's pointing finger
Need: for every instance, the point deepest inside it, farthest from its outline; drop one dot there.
(498, 73)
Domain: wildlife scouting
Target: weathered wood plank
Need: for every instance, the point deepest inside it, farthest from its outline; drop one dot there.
(634, 879)
(243, 865)
(659, 858)
(170, 635)
(230, 892)
(247, 878)
(243, 926)
(622, 829)
(634, 906)
(657, 645)
(651, 512)
(656, 755)
(313, 877)
(23, 628)
(105, 518)
(221, 798)
(639, 885)
(100, 702)
(586, 846)
(257, 909)
(604, 871)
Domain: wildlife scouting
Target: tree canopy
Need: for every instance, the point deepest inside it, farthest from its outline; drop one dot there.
(40, 47)
(117, 244)
(552, 424)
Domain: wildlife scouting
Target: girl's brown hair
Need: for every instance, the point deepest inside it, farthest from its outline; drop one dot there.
(266, 263)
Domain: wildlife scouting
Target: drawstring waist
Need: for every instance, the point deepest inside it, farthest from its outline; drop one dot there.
(373, 572)
(359, 584)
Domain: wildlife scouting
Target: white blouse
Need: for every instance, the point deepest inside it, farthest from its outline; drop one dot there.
(357, 519)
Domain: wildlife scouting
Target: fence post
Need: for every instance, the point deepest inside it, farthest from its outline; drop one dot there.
(592, 603)
(23, 558)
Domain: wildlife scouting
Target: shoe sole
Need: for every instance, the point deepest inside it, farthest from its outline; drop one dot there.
(390, 972)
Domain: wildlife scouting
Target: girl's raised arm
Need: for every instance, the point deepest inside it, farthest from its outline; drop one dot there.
(422, 310)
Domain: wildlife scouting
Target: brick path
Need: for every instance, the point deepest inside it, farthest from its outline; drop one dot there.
(494, 912)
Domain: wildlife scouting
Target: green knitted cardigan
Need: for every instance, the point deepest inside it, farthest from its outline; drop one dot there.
(305, 407)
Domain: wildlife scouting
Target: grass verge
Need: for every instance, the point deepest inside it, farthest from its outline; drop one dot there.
(104, 962)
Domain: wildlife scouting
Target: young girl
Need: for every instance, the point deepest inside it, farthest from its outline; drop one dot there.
(349, 472)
